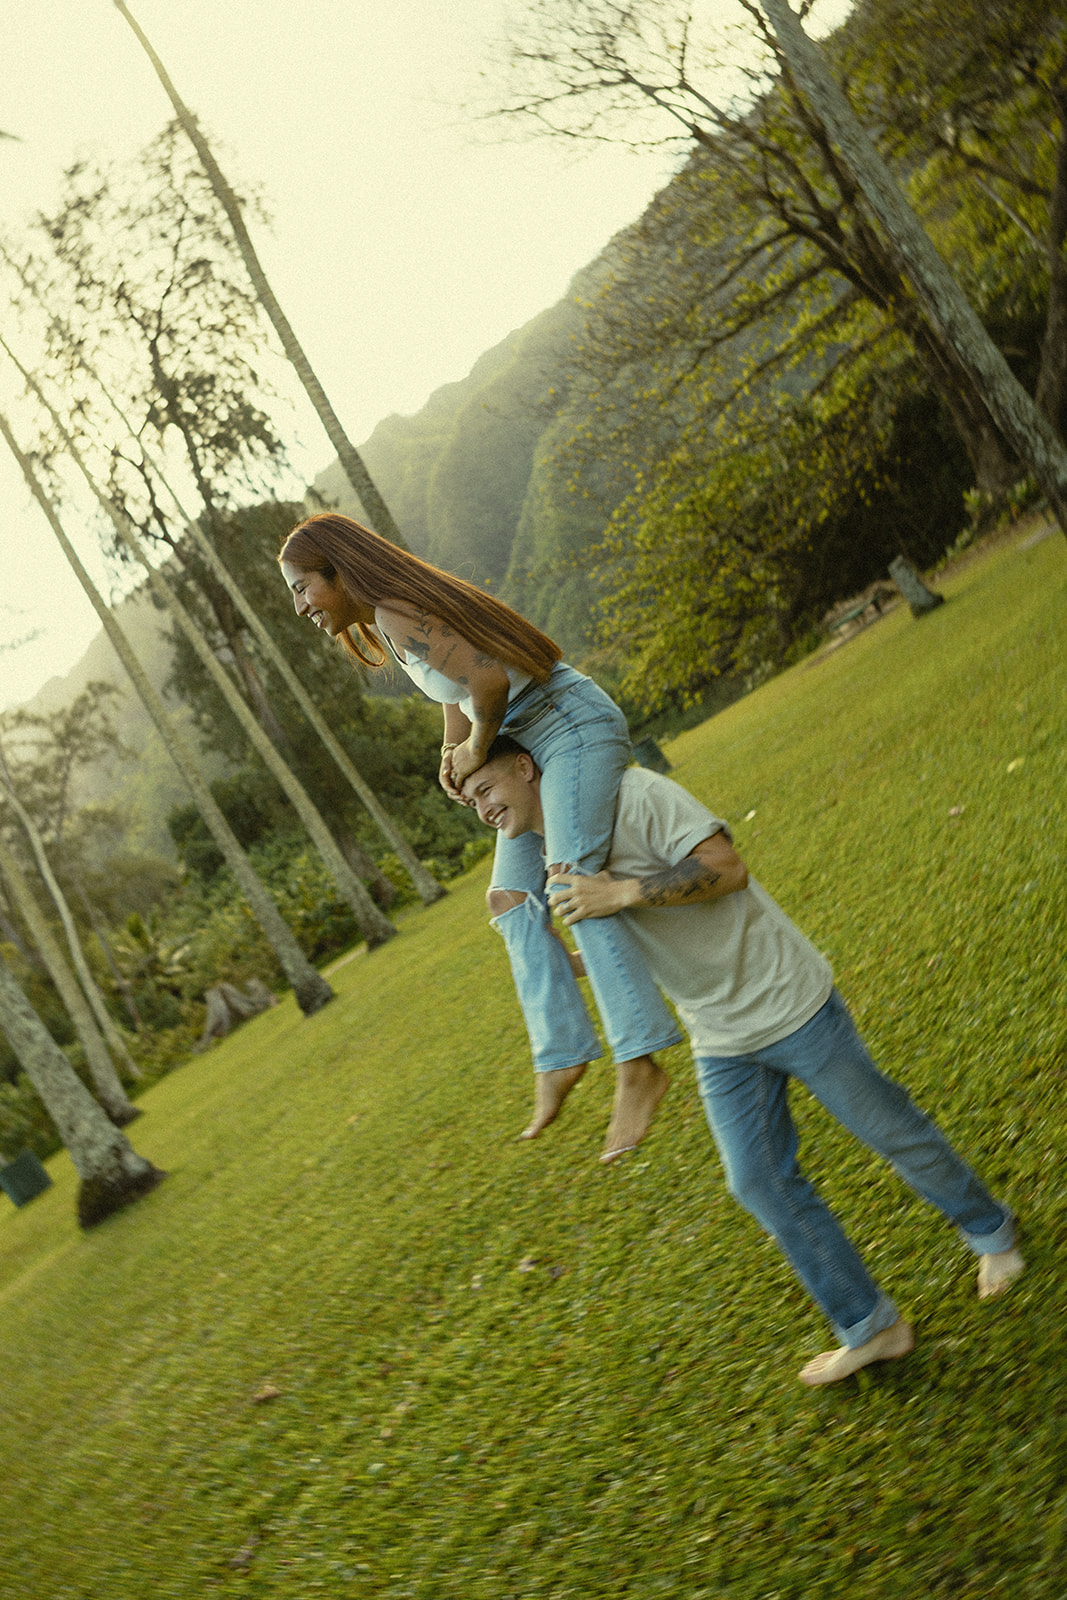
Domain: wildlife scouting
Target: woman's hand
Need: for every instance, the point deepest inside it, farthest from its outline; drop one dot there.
(575, 896)
(457, 729)
(444, 774)
(465, 758)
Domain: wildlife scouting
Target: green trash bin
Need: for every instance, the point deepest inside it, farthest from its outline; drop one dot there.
(24, 1178)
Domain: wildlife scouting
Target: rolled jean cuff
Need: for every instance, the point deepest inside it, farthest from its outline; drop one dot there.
(991, 1244)
(647, 1047)
(883, 1316)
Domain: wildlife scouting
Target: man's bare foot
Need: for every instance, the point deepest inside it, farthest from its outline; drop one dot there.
(998, 1272)
(639, 1087)
(551, 1089)
(833, 1365)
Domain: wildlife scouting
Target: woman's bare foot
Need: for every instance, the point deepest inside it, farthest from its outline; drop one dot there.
(998, 1272)
(551, 1089)
(639, 1087)
(833, 1365)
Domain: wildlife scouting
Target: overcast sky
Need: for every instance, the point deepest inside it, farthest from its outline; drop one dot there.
(406, 240)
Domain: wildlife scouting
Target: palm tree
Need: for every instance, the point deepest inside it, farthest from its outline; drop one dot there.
(112, 1173)
(374, 506)
(59, 900)
(106, 1081)
(311, 989)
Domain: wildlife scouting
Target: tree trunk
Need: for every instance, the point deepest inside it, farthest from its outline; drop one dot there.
(118, 977)
(382, 889)
(951, 315)
(995, 468)
(311, 989)
(11, 935)
(1051, 392)
(378, 513)
(112, 1173)
(108, 1085)
(374, 926)
(92, 994)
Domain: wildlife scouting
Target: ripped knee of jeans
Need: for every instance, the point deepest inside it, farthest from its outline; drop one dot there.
(501, 900)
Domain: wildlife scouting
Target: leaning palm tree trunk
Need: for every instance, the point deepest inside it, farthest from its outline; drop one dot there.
(373, 924)
(311, 989)
(92, 993)
(112, 1173)
(106, 1081)
(355, 470)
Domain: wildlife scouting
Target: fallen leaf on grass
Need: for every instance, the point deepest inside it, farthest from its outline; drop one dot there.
(956, 811)
(268, 1392)
(243, 1558)
(1019, 761)
(527, 1264)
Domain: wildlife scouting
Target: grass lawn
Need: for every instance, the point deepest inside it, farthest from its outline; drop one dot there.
(364, 1343)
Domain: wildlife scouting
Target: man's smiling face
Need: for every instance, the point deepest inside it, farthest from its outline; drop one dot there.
(506, 795)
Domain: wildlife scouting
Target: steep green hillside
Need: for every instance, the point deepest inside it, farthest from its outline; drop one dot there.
(461, 475)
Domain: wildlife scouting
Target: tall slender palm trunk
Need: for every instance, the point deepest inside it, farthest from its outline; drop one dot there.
(106, 1081)
(377, 511)
(112, 1173)
(93, 996)
(311, 989)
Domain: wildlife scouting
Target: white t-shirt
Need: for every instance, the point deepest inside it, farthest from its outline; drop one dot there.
(740, 973)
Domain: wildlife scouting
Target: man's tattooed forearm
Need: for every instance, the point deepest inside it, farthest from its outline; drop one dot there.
(689, 880)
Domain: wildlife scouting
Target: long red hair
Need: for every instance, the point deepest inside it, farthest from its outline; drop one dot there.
(375, 572)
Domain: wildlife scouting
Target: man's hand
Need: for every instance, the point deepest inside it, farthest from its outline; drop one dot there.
(574, 896)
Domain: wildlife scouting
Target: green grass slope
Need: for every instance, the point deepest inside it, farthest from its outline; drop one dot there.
(363, 1343)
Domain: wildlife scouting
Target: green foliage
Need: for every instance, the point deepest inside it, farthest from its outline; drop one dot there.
(24, 1122)
(727, 555)
(363, 1341)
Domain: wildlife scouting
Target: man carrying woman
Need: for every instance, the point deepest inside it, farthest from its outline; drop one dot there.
(493, 671)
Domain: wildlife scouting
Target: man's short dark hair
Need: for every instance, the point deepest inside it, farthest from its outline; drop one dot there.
(504, 745)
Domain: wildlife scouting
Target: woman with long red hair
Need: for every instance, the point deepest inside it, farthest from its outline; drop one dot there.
(492, 671)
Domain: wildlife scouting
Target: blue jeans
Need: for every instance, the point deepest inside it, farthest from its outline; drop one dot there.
(748, 1113)
(578, 737)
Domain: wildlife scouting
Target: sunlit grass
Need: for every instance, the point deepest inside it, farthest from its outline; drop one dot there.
(503, 1371)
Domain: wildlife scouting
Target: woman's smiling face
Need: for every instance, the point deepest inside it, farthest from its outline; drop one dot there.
(322, 600)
